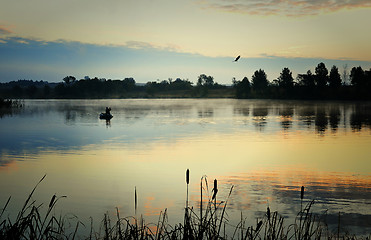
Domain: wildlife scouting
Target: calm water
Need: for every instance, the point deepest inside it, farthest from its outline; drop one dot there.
(266, 149)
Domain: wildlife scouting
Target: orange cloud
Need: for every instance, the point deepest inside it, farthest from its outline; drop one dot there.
(4, 30)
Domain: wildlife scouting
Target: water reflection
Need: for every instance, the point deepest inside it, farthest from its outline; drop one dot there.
(260, 114)
(333, 193)
(335, 115)
(286, 114)
(70, 117)
(321, 121)
(361, 117)
(240, 142)
(306, 115)
(135, 120)
(243, 111)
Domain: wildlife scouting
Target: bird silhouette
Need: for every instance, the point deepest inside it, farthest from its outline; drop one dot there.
(237, 58)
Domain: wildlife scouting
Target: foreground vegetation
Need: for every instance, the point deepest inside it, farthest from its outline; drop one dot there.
(207, 222)
(322, 84)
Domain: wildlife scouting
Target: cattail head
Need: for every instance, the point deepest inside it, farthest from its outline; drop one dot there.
(302, 193)
(187, 176)
(268, 213)
(215, 188)
(259, 225)
(52, 201)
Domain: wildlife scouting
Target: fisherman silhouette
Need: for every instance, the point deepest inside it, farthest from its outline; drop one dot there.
(108, 110)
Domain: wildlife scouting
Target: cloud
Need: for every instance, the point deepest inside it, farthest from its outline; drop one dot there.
(4, 30)
(139, 45)
(31, 58)
(291, 8)
(147, 45)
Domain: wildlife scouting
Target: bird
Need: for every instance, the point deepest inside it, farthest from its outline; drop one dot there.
(237, 58)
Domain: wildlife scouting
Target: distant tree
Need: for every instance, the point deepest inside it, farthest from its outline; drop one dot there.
(334, 78)
(259, 80)
(69, 79)
(345, 74)
(204, 83)
(151, 87)
(17, 91)
(321, 77)
(357, 77)
(368, 78)
(243, 87)
(47, 91)
(31, 91)
(204, 80)
(285, 79)
(128, 83)
(306, 80)
(180, 84)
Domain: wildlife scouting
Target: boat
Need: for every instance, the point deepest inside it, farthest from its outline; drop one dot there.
(105, 116)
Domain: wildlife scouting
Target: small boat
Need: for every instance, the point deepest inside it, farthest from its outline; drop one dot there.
(105, 116)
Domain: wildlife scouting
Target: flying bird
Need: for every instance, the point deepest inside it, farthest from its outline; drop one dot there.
(237, 58)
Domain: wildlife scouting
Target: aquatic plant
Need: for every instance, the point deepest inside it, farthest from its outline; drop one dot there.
(33, 222)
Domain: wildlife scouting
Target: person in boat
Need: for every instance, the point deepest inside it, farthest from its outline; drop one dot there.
(108, 111)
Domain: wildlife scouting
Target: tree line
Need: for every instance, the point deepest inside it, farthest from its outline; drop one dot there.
(319, 85)
(322, 84)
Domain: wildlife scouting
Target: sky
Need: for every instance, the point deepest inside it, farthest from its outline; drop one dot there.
(152, 40)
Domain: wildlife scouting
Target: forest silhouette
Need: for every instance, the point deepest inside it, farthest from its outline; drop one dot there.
(320, 85)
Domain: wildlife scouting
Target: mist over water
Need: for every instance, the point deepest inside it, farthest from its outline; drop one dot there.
(266, 149)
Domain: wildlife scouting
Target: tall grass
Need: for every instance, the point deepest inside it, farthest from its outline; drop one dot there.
(211, 222)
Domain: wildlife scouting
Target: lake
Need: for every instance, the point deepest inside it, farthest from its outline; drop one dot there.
(266, 149)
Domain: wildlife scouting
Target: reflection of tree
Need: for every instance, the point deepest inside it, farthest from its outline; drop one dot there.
(206, 113)
(243, 111)
(260, 117)
(307, 115)
(360, 117)
(286, 114)
(321, 121)
(70, 117)
(334, 118)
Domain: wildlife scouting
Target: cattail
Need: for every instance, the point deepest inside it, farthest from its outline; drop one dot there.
(135, 200)
(187, 181)
(302, 193)
(268, 213)
(201, 201)
(215, 188)
(258, 226)
(187, 176)
(52, 201)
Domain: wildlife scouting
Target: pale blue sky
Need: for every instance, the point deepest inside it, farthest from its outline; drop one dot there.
(161, 39)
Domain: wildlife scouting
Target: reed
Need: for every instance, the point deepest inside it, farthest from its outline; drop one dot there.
(301, 198)
(211, 223)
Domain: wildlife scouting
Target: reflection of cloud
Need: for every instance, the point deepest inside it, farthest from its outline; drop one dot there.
(5, 163)
(151, 210)
(286, 8)
(337, 192)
